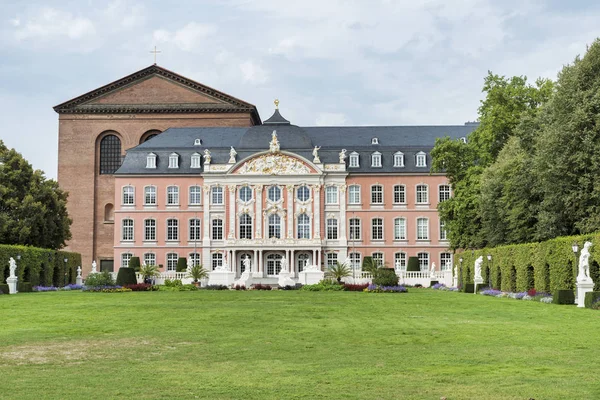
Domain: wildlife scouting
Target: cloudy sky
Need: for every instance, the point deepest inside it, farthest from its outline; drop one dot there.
(330, 62)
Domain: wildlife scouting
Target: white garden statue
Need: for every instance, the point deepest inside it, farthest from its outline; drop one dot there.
(478, 264)
(12, 265)
(247, 265)
(284, 265)
(94, 270)
(432, 270)
(584, 264)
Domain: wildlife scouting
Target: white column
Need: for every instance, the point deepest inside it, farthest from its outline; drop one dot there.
(314, 257)
(258, 213)
(317, 211)
(231, 234)
(290, 211)
(260, 264)
(255, 262)
(342, 189)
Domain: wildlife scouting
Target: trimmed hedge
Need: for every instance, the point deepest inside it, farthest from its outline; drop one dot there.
(413, 264)
(134, 263)
(181, 264)
(563, 297)
(40, 267)
(24, 287)
(126, 276)
(545, 266)
(385, 277)
(590, 298)
(469, 288)
(4, 288)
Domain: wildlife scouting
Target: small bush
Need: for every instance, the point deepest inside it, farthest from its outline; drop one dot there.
(126, 276)
(181, 265)
(4, 288)
(141, 287)
(24, 287)
(531, 292)
(173, 283)
(413, 264)
(99, 279)
(469, 288)
(260, 286)
(182, 288)
(385, 277)
(216, 287)
(291, 287)
(105, 289)
(386, 289)
(240, 287)
(355, 287)
(591, 298)
(563, 297)
(323, 286)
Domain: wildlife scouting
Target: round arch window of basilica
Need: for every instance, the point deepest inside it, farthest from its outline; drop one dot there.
(245, 194)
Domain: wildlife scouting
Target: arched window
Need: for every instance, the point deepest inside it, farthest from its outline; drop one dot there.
(354, 194)
(274, 226)
(195, 195)
(399, 229)
(128, 195)
(377, 229)
(376, 194)
(423, 261)
(172, 261)
(399, 194)
(172, 229)
(422, 194)
(302, 261)
(127, 230)
(400, 261)
(217, 229)
(354, 228)
(422, 229)
(274, 264)
(195, 232)
(195, 163)
(245, 226)
(303, 226)
(149, 135)
(303, 193)
(110, 154)
(354, 261)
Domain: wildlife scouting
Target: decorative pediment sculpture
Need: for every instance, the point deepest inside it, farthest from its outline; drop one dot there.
(207, 156)
(232, 154)
(315, 154)
(342, 156)
(274, 144)
(274, 164)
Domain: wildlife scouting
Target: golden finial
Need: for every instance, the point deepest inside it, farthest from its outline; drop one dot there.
(276, 103)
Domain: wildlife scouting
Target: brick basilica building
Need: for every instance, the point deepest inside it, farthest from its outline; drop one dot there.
(160, 167)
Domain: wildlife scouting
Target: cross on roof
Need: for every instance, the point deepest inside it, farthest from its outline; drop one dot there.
(155, 52)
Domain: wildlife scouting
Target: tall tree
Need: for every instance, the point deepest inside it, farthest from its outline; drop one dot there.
(507, 102)
(33, 209)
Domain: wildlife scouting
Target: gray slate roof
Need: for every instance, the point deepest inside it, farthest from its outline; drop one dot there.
(299, 140)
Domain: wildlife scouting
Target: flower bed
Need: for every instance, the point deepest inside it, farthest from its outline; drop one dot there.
(355, 287)
(385, 289)
(106, 289)
(441, 286)
(527, 296)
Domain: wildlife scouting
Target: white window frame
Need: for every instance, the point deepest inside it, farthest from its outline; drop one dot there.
(171, 261)
(421, 160)
(331, 259)
(382, 194)
(354, 160)
(374, 140)
(354, 194)
(150, 230)
(443, 232)
(376, 161)
(275, 227)
(147, 193)
(196, 258)
(445, 261)
(399, 234)
(127, 232)
(373, 238)
(305, 189)
(216, 225)
(399, 159)
(216, 260)
(216, 193)
(245, 227)
(376, 258)
(331, 194)
(172, 195)
(275, 189)
(245, 194)
(150, 259)
(419, 194)
(423, 266)
(198, 194)
(174, 160)
(355, 259)
(125, 259)
(172, 231)
(400, 255)
(358, 228)
(128, 198)
(420, 233)
(194, 229)
(196, 161)
(303, 230)
(400, 194)
(447, 193)
(151, 161)
(332, 229)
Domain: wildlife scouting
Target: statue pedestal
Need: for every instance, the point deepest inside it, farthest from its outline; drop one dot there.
(478, 282)
(583, 287)
(12, 284)
(310, 277)
(285, 279)
(79, 280)
(245, 280)
(221, 278)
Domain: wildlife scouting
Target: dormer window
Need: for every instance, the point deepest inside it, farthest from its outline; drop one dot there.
(174, 160)
(375, 141)
(151, 160)
(198, 142)
(196, 159)
(398, 159)
(376, 160)
(421, 159)
(354, 160)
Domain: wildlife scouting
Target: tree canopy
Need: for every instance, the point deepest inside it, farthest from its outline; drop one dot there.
(33, 209)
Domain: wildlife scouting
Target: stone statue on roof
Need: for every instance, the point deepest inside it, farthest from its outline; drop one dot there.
(274, 144)
(342, 156)
(315, 154)
(207, 156)
(232, 154)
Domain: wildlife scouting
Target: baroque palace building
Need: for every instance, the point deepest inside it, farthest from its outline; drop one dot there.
(204, 178)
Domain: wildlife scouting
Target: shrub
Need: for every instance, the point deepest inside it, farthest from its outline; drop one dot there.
(469, 288)
(181, 264)
(368, 265)
(260, 286)
(591, 298)
(531, 292)
(181, 288)
(413, 264)
(385, 277)
(134, 264)
(107, 289)
(141, 287)
(216, 287)
(126, 276)
(99, 279)
(323, 286)
(24, 287)
(563, 297)
(290, 287)
(173, 283)
(240, 287)
(355, 287)
(4, 288)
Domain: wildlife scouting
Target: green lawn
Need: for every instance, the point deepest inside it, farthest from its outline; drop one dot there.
(259, 345)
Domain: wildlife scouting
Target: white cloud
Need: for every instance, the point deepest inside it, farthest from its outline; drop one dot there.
(190, 37)
(51, 23)
(15, 22)
(253, 73)
(330, 119)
